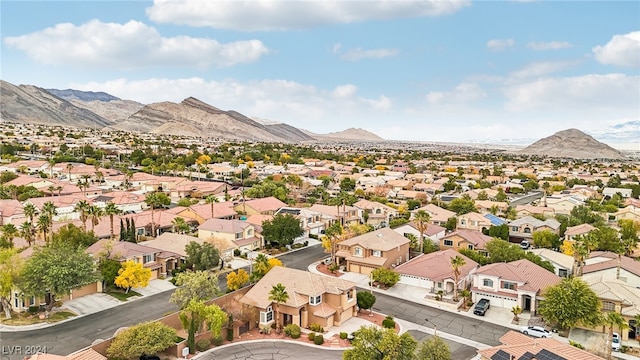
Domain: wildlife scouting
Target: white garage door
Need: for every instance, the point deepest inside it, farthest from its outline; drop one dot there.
(414, 281)
(497, 301)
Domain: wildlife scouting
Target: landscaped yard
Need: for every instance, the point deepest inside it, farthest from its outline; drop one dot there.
(20, 319)
(120, 293)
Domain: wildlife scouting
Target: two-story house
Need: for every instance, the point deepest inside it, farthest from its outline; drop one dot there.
(563, 264)
(263, 206)
(465, 239)
(438, 215)
(313, 299)
(609, 266)
(312, 222)
(245, 235)
(380, 248)
(517, 283)
(158, 261)
(345, 214)
(523, 228)
(375, 213)
(433, 232)
(473, 221)
(433, 272)
(11, 212)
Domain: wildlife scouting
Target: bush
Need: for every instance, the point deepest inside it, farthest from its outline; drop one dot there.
(203, 344)
(33, 309)
(318, 339)
(230, 334)
(389, 323)
(343, 335)
(576, 344)
(293, 330)
(313, 236)
(312, 336)
(333, 267)
(283, 249)
(624, 349)
(236, 252)
(316, 327)
(217, 341)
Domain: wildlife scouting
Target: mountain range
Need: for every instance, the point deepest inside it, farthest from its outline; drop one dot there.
(572, 143)
(191, 117)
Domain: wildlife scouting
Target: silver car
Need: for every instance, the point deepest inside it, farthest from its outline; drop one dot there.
(536, 331)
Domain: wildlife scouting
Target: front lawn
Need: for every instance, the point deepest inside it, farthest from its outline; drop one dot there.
(25, 318)
(120, 294)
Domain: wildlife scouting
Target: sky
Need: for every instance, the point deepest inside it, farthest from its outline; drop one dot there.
(443, 71)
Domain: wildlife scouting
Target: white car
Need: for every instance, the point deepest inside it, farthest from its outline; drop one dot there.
(537, 331)
(615, 342)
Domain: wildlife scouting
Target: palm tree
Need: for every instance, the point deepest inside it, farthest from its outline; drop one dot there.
(180, 226)
(69, 167)
(27, 231)
(212, 199)
(422, 219)
(111, 210)
(156, 200)
(29, 211)
(50, 209)
(82, 207)
(456, 263)
(278, 294)
(613, 319)
(44, 224)
(95, 213)
(516, 310)
(466, 295)
(9, 232)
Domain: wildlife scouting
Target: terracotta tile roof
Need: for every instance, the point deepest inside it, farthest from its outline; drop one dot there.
(436, 266)
(265, 204)
(224, 226)
(559, 258)
(517, 345)
(10, 208)
(432, 229)
(530, 220)
(533, 277)
(383, 239)
(300, 283)
(614, 290)
(60, 201)
(88, 354)
(121, 250)
(369, 260)
(603, 260)
(336, 211)
(579, 229)
(437, 213)
(477, 238)
(172, 242)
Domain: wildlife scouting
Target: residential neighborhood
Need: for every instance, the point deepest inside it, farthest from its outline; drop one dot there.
(444, 232)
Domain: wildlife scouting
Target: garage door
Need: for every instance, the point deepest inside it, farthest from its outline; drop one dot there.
(85, 290)
(366, 270)
(497, 301)
(354, 268)
(414, 281)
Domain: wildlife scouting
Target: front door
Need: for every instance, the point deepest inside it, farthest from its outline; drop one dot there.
(527, 303)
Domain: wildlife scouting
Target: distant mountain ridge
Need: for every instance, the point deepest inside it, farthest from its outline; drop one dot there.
(191, 117)
(572, 143)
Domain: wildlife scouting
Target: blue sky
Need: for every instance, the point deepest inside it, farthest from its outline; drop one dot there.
(405, 70)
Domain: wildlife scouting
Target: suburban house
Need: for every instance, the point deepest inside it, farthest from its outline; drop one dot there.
(202, 212)
(523, 228)
(173, 243)
(346, 215)
(127, 201)
(433, 272)
(517, 283)
(562, 263)
(158, 261)
(624, 192)
(65, 205)
(465, 239)
(530, 210)
(313, 299)
(438, 215)
(11, 212)
(573, 231)
(473, 221)
(433, 232)
(312, 222)
(380, 248)
(244, 234)
(629, 212)
(264, 206)
(375, 213)
(606, 263)
(618, 296)
(516, 345)
(563, 203)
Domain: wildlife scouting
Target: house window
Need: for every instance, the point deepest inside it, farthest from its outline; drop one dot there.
(377, 253)
(563, 273)
(349, 295)
(249, 232)
(448, 243)
(463, 222)
(315, 300)
(470, 247)
(487, 282)
(378, 211)
(508, 285)
(608, 306)
(357, 251)
(266, 316)
(238, 235)
(148, 258)
(15, 300)
(514, 228)
(527, 230)
(439, 285)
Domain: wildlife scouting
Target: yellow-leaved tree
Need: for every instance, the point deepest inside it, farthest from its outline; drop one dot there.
(132, 274)
(237, 280)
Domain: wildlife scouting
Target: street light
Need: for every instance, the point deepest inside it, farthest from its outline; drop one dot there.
(435, 327)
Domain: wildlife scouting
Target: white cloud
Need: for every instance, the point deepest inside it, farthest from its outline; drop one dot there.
(552, 45)
(130, 45)
(500, 44)
(265, 15)
(345, 91)
(465, 92)
(621, 50)
(359, 54)
(540, 69)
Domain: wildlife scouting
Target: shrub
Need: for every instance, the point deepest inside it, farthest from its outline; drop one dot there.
(230, 334)
(293, 330)
(343, 335)
(624, 349)
(333, 267)
(316, 327)
(217, 341)
(576, 344)
(33, 309)
(283, 249)
(386, 277)
(312, 336)
(389, 323)
(236, 252)
(203, 344)
(318, 339)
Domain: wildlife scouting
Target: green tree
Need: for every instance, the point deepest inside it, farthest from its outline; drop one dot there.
(30, 211)
(451, 223)
(156, 200)
(95, 213)
(11, 265)
(373, 343)
(73, 236)
(365, 300)
(279, 295)
(44, 225)
(203, 256)
(281, 230)
(195, 314)
(433, 348)
(57, 269)
(147, 338)
(109, 270)
(456, 263)
(180, 226)
(608, 239)
(194, 285)
(502, 251)
(82, 207)
(212, 199)
(546, 239)
(347, 184)
(462, 205)
(613, 320)
(111, 210)
(501, 196)
(500, 232)
(28, 232)
(569, 303)
(387, 277)
(9, 232)
(422, 218)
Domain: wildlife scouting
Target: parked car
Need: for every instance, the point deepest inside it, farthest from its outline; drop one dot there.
(481, 307)
(615, 342)
(537, 331)
(525, 244)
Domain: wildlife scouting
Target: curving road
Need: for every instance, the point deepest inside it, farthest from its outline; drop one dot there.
(276, 350)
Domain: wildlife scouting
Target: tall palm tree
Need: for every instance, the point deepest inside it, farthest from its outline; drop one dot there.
(9, 231)
(95, 213)
(613, 319)
(422, 219)
(111, 210)
(278, 294)
(50, 209)
(179, 225)
(43, 225)
(30, 211)
(456, 263)
(27, 232)
(69, 167)
(212, 199)
(156, 200)
(82, 207)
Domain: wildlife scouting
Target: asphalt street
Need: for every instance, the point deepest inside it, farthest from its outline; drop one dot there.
(276, 350)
